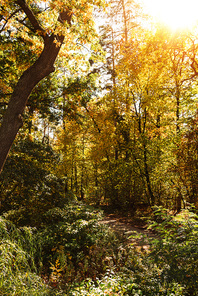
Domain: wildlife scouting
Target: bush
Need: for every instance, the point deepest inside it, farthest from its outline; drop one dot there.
(175, 251)
(17, 270)
(110, 284)
(28, 184)
(70, 246)
(167, 269)
(75, 246)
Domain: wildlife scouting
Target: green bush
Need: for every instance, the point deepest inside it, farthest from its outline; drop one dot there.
(175, 251)
(146, 279)
(110, 284)
(70, 246)
(75, 246)
(127, 283)
(28, 184)
(17, 270)
(167, 269)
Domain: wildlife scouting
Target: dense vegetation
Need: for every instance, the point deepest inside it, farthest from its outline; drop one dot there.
(73, 254)
(113, 128)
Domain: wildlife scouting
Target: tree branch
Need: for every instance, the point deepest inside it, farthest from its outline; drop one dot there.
(6, 20)
(66, 15)
(30, 15)
(193, 65)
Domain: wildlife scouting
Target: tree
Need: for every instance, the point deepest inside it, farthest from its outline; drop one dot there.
(35, 23)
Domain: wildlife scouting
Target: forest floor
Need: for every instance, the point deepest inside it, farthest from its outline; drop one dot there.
(135, 234)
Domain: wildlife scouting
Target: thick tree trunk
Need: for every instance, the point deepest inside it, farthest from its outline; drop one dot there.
(12, 120)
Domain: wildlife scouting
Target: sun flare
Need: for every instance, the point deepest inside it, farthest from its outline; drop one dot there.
(176, 14)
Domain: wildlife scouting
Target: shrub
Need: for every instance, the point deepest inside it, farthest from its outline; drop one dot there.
(28, 184)
(17, 270)
(110, 284)
(75, 245)
(175, 251)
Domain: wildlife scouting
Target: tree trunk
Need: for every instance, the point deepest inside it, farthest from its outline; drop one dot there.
(147, 175)
(125, 22)
(12, 120)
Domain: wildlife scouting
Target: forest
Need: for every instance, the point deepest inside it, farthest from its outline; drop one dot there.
(98, 116)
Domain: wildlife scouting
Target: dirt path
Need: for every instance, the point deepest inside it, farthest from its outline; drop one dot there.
(136, 235)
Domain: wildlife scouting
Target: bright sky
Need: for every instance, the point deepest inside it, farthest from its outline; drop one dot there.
(177, 14)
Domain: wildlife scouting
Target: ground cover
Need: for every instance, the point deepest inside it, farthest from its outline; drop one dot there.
(78, 251)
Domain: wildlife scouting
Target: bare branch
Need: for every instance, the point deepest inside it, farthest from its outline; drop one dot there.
(25, 25)
(6, 20)
(194, 66)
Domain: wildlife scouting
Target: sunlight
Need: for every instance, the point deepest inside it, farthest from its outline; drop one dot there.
(176, 14)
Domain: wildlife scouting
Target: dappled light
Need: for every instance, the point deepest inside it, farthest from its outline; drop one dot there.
(98, 148)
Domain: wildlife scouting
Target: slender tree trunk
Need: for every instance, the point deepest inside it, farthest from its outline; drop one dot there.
(76, 179)
(147, 175)
(125, 22)
(142, 129)
(177, 110)
(179, 194)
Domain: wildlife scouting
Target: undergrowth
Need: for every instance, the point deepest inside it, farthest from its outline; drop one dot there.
(73, 254)
(169, 267)
(18, 274)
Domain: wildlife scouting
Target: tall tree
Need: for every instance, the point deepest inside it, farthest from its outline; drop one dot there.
(45, 28)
